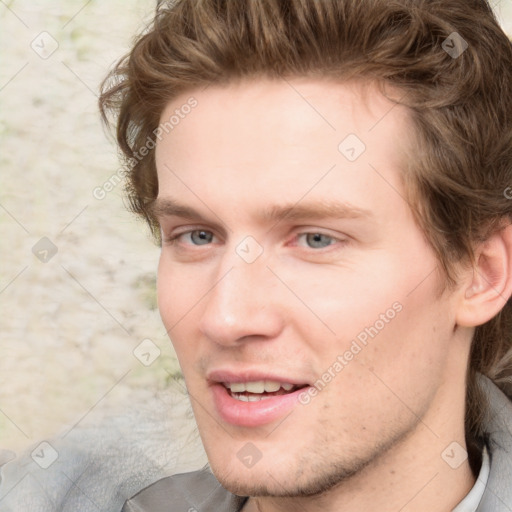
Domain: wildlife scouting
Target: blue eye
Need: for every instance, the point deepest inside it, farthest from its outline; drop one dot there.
(318, 240)
(200, 237)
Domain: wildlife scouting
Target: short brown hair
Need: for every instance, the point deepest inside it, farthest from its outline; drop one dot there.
(449, 59)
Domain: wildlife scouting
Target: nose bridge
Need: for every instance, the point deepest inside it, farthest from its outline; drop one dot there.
(241, 269)
(238, 289)
(238, 304)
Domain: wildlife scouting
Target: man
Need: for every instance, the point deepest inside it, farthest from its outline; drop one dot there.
(328, 181)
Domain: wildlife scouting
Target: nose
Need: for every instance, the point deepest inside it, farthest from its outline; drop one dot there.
(242, 305)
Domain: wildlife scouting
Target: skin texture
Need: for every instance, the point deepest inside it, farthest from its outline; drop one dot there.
(375, 433)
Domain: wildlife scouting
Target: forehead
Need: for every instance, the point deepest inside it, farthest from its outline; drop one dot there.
(278, 139)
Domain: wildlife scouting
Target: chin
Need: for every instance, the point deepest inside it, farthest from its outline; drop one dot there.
(273, 482)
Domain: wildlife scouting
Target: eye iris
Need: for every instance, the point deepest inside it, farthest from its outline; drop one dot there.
(318, 240)
(201, 237)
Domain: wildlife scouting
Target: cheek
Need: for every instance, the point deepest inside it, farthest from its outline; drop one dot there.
(344, 298)
(405, 341)
(178, 298)
(384, 303)
(166, 293)
(178, 289)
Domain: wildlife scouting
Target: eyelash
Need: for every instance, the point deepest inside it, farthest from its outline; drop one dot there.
(174, 239)
(332, 238)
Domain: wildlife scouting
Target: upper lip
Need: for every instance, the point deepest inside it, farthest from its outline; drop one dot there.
(229, 376)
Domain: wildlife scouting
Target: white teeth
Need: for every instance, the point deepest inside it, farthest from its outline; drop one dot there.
(272, 386)
(250, 398)
(237, 387)
(255, 387)
(258, 387)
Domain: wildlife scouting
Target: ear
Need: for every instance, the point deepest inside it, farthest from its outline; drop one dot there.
(489, 283)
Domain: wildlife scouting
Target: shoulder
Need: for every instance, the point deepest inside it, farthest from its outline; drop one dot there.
(185, 492)
(498, 430)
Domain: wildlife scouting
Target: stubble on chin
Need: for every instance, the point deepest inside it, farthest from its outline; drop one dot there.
(307, 479)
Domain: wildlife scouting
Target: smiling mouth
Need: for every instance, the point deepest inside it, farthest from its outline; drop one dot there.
(259, 390)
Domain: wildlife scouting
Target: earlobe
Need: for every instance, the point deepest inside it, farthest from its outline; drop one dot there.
(489, 287)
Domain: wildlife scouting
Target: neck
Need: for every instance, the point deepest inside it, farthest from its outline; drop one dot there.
(414, 486)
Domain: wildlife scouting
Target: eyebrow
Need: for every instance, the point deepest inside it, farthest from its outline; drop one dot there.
(314, 211)
(161, 207)
(167, 207)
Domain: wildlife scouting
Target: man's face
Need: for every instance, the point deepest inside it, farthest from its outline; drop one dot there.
(295, 260)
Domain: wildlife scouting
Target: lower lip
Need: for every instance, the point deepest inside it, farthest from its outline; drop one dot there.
(253, 414)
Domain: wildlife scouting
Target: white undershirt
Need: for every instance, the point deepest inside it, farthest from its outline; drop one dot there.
(472, 500)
